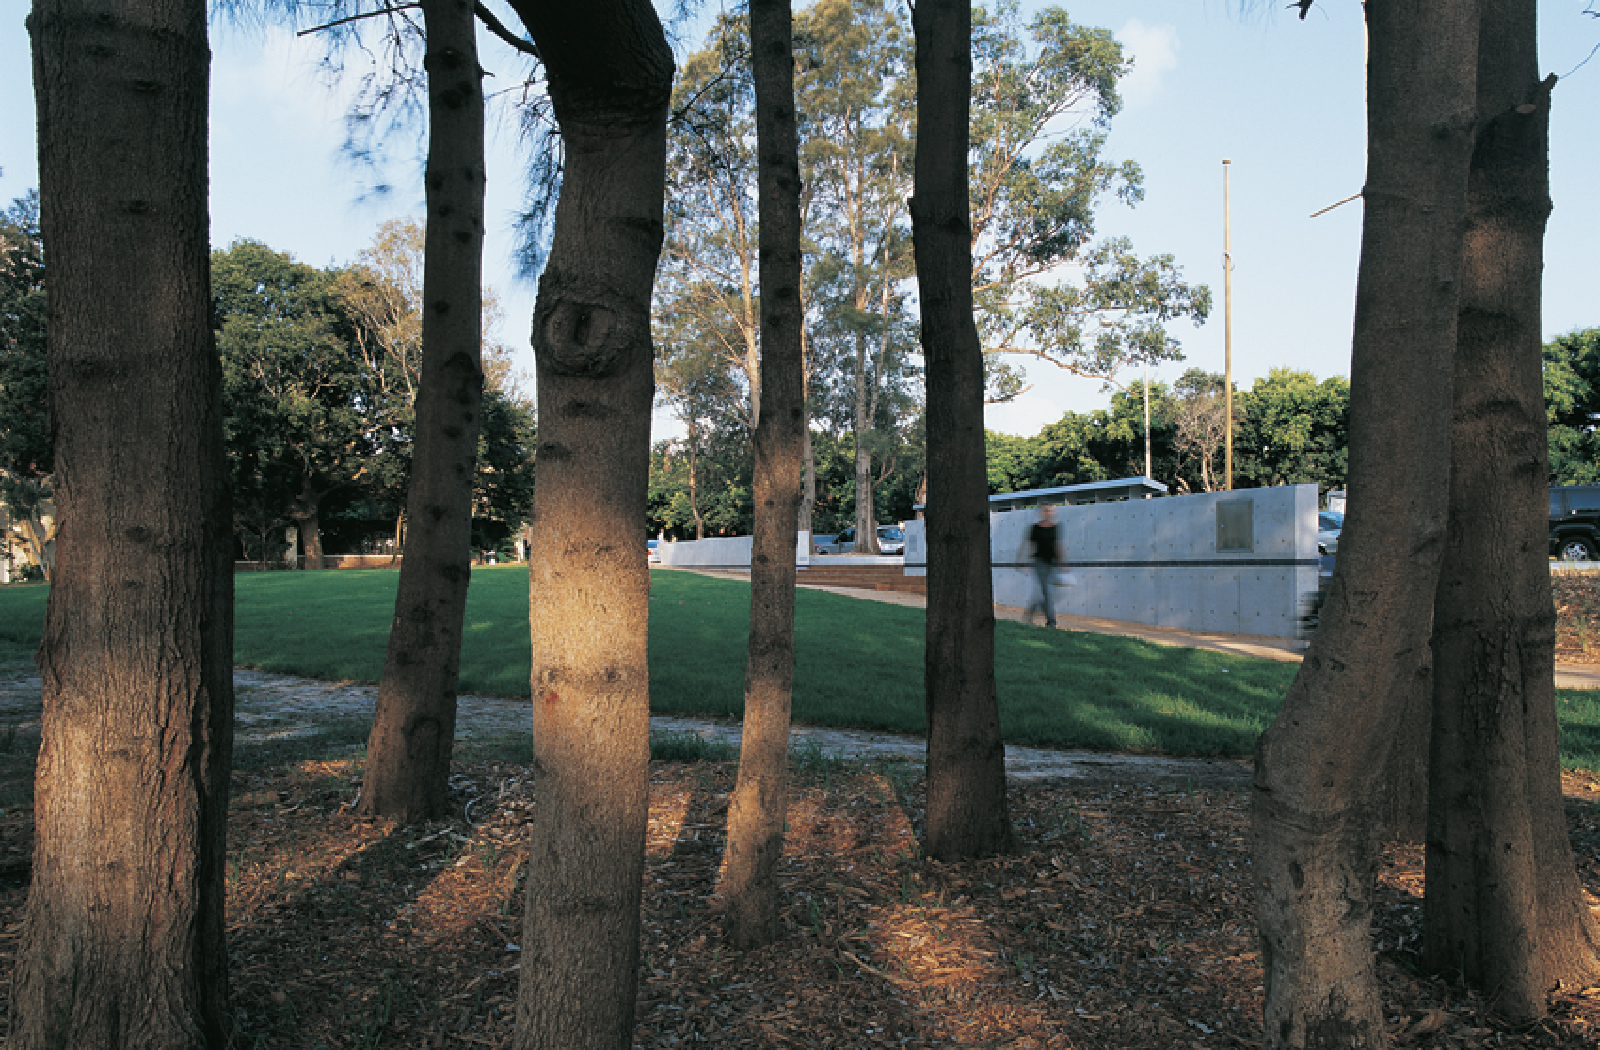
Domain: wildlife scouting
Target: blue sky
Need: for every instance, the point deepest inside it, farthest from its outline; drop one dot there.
(1213, 79)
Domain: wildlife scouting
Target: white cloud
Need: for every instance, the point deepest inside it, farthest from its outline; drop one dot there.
(1154, 50)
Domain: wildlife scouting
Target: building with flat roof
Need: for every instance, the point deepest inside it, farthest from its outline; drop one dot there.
(1070, 495)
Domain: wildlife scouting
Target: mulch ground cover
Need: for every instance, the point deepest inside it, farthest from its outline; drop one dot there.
(1577, 598)
(1123, 920)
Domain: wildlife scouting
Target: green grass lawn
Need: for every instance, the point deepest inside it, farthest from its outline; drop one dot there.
(858, 663)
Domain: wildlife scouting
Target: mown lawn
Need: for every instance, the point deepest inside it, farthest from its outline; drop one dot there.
(859, 663)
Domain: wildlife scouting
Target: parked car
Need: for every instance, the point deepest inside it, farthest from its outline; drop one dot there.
(891, 540)
(1575, 523)
(1329, 524)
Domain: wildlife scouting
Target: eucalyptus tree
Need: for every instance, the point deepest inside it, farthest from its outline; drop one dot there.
(123, 944)
(1042, 99)
(856, 96)
(1202, 425)
(710, 281)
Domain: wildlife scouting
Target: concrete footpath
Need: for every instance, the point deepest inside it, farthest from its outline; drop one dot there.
(1568, 676)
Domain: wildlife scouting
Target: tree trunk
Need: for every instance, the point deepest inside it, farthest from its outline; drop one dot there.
(122, 943)
(808, 477)
(694, 484)
(758, 808)
(808, 458)
(866, 514)
(413, 726)
(1312, 803)
(966, 814)
(610, 77)
(307, 518)
(1504, 908)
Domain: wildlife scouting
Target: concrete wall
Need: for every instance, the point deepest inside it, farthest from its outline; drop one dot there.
(1158, 561)
(722, 552)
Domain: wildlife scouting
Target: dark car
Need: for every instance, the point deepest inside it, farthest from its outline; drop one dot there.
(1575, 523)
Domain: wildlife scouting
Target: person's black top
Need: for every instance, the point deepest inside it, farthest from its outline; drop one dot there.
(1043, 538)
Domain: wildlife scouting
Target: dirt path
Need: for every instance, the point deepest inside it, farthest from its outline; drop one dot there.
(277, 706)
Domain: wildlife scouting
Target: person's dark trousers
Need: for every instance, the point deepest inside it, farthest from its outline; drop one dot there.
(1044, 570)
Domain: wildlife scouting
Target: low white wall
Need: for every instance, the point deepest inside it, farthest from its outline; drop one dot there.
(723, 552)
(1157, 561)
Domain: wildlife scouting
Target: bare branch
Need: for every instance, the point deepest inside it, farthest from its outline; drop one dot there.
(498, 28)
(386, 10)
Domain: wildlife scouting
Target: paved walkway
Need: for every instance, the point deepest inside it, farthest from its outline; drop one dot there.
(1568, 675)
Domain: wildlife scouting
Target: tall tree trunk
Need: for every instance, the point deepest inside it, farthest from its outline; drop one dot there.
(808, 458)
(866, 514)
(758, 808)
(966, 814)
(122, 943)
(694, 484)
(610, 73)
(1313, 859)
(307, 516)
(413, 726)
(1504, 908)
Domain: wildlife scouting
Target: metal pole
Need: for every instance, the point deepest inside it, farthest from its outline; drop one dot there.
(1147, 472)
(1227, 329)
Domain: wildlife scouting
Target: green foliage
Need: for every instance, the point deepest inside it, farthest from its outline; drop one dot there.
(1292, 430)
(27, 449)
(305, 416)
(1572, 405)
(503, 490)
(320, 369)
(1289, 429)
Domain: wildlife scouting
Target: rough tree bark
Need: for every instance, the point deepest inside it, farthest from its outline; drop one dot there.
(307, 517)
(966, 814)
(609, 71)
(413, 727)
(1504, 909)
(1312, 814)
(758, 809)
(122, 943)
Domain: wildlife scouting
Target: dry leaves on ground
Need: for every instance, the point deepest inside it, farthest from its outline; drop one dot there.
(1577, 597)
(1123, 921)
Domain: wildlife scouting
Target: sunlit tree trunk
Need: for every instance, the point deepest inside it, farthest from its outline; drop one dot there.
(1312, 812)
(122, 944)
(966, 809)
(609, 72)
(758, 808)
(1504, 908)
(413, 727)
